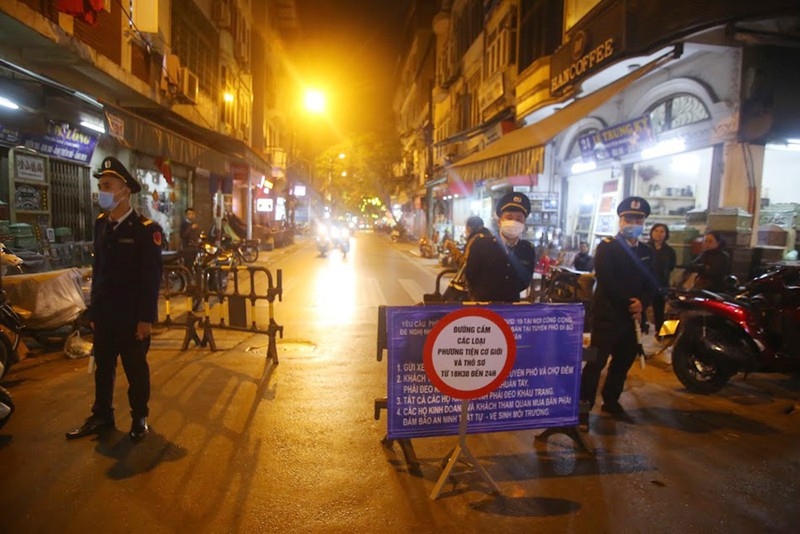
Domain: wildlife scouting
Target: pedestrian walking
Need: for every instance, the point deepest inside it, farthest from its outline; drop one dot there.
(625, 287)
(126, 275)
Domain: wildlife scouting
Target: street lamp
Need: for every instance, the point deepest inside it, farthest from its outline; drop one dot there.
(314, 101)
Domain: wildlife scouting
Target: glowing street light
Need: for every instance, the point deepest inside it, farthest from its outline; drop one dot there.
(315, 101)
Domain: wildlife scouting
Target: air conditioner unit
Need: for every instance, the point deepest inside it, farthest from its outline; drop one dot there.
(242, 52)
(170, 73)
(221, 13)
(189, 86)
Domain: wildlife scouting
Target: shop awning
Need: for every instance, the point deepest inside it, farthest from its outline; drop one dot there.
(522, 151)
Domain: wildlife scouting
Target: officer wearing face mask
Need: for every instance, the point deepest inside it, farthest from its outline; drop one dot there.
(126, 275)
(499, 267)
(625, 286)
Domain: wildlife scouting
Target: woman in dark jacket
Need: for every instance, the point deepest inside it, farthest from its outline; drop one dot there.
(712, 265)
(663, 263)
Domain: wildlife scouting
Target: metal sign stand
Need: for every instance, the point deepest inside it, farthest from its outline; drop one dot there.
(453, 455)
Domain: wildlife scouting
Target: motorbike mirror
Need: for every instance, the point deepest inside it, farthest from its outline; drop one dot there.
(731, 282)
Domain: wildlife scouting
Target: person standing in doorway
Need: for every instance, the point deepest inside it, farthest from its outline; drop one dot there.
(625, 287)
(583, 260)
(664, 259)
(126, 275)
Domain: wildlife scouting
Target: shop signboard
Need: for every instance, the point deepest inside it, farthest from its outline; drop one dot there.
(8, 136)
(542, 389)
(618, 140)
(62, 141)
(592, 48)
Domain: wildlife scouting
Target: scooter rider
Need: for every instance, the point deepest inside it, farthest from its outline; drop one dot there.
(625, 287)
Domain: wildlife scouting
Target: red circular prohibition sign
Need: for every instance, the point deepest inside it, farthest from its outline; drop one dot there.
(447, 320)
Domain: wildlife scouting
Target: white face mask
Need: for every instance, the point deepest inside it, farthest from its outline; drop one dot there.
(511, 229)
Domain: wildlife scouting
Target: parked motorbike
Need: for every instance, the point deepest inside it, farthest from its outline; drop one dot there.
(191, 279)
(400, 233)
(10, 263)
(427, 248)
(755, 327)
(10, 334)
(6, 406)
(246, 250)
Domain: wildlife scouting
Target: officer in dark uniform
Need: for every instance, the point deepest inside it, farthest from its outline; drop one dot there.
(625, 287)
(125, 280)
(499, 267)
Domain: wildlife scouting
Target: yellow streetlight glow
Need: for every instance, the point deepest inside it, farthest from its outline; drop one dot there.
(315, 101)
(227, 97)
(342, 155)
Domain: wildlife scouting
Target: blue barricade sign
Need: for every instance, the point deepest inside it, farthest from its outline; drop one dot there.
(541, 391)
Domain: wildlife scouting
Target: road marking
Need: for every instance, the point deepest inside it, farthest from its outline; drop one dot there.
(372, 290)
(411, 287)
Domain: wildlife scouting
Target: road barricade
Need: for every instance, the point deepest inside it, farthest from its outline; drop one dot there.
(541, 391)
(230, 286)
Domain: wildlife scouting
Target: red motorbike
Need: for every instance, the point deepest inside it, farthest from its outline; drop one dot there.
(755, 327)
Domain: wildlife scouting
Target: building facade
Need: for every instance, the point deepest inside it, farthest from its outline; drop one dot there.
(683, 104)
(183, 92)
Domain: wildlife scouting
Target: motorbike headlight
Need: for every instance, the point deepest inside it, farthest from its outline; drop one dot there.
(209, 248)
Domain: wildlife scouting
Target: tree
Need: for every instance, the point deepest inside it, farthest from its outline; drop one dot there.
(366, 172)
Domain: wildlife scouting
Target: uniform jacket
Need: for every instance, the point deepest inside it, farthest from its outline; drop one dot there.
(620, 277)
(494, 274)
(126, 273)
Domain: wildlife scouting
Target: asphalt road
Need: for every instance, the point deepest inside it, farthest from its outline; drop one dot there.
(240, 444)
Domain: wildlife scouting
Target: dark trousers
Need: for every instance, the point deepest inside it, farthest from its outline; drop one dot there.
(617, 341)
(658, 311)
(111, 341)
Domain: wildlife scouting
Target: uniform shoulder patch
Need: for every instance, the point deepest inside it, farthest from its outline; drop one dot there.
(608, 239)
(145, 220)
(101, 215)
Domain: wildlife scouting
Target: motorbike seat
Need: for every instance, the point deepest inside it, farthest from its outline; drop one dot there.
(23, 313)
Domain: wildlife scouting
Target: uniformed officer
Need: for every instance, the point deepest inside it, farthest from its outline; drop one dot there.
(625, 286)
(126, 275)
(499, 267)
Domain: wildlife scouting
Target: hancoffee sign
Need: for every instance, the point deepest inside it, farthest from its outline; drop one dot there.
(592, 47)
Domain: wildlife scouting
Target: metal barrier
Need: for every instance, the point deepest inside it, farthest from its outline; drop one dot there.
(196, 287)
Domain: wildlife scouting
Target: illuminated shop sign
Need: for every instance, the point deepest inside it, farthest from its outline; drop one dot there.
(583, 64)
(598, 44)
(618, 140)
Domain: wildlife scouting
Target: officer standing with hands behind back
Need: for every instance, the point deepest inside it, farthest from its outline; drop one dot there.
(126, 275)
(625, 287)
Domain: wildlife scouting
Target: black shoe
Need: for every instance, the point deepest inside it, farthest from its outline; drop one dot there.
(583, 422)
(92, 425)
(614, 408)
(139, 429)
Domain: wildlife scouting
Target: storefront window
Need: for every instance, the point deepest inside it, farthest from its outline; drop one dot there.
(780, 198)
(676, 111)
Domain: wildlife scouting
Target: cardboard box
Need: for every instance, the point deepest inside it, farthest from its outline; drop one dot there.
(730, 220)
(736, 239)
(772, 235)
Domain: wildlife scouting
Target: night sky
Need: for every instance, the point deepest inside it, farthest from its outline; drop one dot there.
(349, 48)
